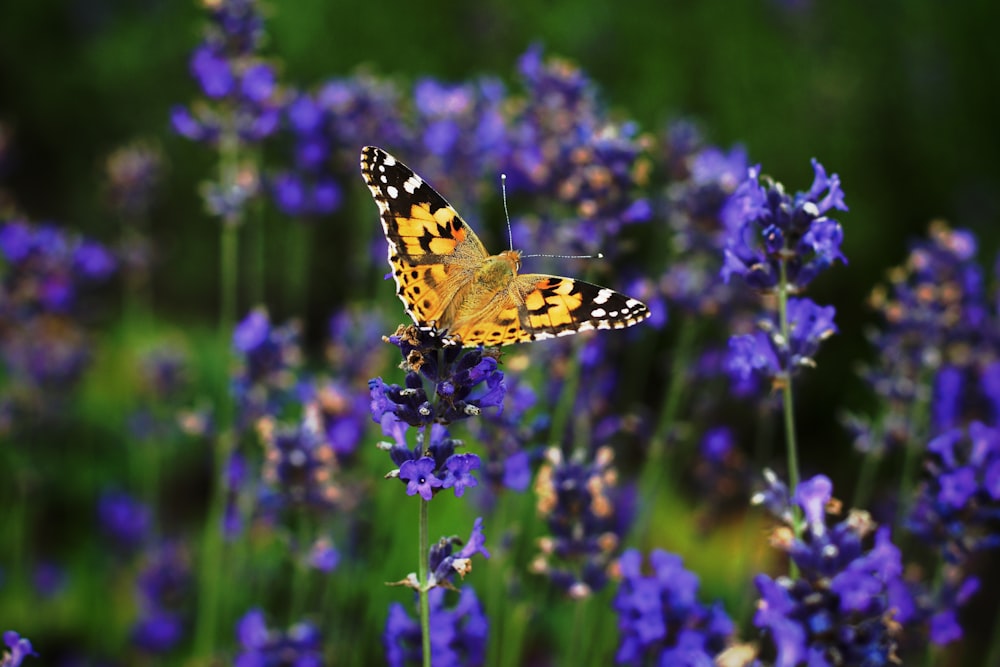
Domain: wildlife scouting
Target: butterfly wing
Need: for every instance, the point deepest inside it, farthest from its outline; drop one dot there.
(433, 253)
(537, 306)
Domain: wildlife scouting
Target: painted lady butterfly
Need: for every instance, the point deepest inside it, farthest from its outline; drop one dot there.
(445, 277)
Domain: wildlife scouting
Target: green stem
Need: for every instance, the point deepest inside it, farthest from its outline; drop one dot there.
(300, 575)
(787, 395)
(567, 398)
(298, 243)
(423, 547)
(675, 391)
(258, 242)
(654, 473)
(229, 266)
(866, 478)
(788, 405)
(211, 571)
(913, 453)
(994, 654)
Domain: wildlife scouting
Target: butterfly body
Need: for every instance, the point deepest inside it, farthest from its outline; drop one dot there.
(446, 278)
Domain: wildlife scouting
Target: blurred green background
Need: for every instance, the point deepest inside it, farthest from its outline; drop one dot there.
(896, 97)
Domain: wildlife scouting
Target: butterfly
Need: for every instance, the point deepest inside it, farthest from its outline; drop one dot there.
(446, 278)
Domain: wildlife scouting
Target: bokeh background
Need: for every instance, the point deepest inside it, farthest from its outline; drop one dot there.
(895, 97)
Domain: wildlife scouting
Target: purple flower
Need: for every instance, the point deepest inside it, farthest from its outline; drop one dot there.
(269, 359)
(212, 72)
(767, 227)
(839, 605)
(958, 503)
(586, 514)
(17, 649)
(323, 556)
(164, 589)
(239, 89)
(938, 337)
(462, 381)
(158, 631)
(124, 519)
(444, 562)
(299, 646)
(458, 473)
(659, 617)
(767, 355)
(458, 634)
(463, 136)
(299, 463)
(419, 477)
(586, 169)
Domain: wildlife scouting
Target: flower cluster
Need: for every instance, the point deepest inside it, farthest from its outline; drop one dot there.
(300, 645)
(352, 360)
(505, 434)
(164, 590)
(937, 344)
(702, 178)
(462, 137)
(241, 105)
(774, 238)
(444, 562)
(43, 274)
(308, 188)
(563, 148)
(659, 617)
(839, 609)
(958, 504)
(586, 514)
(299, 464)
(777, 243)
(362, 109)
(458, 633)
(269, 358)
(433, 466)
(767, 354)
(462, 382)
(241, 89)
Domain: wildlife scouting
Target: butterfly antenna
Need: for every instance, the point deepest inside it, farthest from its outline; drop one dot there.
(510, 233)
(506, 213)
(599, 255)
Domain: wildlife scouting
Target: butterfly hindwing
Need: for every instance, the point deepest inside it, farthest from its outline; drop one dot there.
(557, 306)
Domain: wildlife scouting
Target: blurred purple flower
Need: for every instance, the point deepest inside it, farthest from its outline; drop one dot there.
(587, 516)
(458, 634)
(659, 617)
(299, 465)
(125, 520)
(299, 646)
(17, 649)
